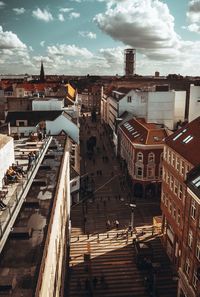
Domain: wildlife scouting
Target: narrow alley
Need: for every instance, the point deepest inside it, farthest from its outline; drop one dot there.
(104, 226)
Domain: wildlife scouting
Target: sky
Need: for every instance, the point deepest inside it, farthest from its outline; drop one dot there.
(80, 37)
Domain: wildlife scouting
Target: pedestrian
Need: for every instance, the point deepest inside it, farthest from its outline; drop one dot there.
(108, 224)
(117, 224)
(104, 203)
(95, 282)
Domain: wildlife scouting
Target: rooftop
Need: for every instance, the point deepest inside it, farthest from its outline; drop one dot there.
(33, 117)
(138, 131)
(4, 139)
(186, 141)
(29, 231)
(193, 180)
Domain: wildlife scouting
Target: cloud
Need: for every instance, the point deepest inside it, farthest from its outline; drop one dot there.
(2, 4)
(87, 34)
(74, 15)
(43, 15)
(9, 40)
(19, 11)
(65, 9)
(142, 24)
(194, 28)
(193, 16)
(15, 55)
(78, 1)
(61, 17)
(42, 43)
(69, 50)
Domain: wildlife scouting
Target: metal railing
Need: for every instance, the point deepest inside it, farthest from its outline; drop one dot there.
(16, 200)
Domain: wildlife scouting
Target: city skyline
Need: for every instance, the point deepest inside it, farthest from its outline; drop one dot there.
(89, 36)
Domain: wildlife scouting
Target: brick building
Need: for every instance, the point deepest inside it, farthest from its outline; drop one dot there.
(189, 271)
(181, 154)
(141, 146)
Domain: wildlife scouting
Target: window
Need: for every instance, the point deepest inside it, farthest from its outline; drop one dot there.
(171, 182)
(198, 250)
(182, 167)
(187, 266)
(180, 191)
(173, 160)
(151, 158)
(139, 172)
(170, 207)
(169, 157)
(139, 157)
(195, 279)
(150, 172)
(193, 209)
(187, 168)
(178, 217)
(177, 164)
(175, 187)
(190, 238)
(166, 201)
(165, 153)
(168, 178)
(129, 99)
(174, 211)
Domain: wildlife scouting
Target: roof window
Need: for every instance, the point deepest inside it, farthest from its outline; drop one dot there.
(188, 139)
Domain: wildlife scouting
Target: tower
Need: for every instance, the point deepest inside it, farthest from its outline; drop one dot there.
(129, 60)
(42, 77)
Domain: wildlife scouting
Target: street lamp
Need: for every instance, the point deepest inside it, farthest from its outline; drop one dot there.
(132, 206)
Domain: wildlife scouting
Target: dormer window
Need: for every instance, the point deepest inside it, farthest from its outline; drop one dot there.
(129, 99)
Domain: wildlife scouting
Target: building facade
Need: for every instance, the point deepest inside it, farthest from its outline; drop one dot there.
(180, 156)
(189, 270)
(141, 147)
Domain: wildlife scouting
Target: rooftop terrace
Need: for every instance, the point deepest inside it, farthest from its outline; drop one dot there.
(24, 222)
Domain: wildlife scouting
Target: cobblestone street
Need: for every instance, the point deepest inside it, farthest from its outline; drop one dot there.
(102, 255)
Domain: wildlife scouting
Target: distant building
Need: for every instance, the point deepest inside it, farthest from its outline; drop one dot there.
(129, 60)
(42, 76)
(165, 107)
(194, 103)
(141, 146)
(90, 98)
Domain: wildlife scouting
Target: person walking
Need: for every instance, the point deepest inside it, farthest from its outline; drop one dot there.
(117, 224)
(108, 224)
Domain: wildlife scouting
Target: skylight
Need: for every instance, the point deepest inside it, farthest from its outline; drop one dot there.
(188, 139)
(196, 180)
(177, 136)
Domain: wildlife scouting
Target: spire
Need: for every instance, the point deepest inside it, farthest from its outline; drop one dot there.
(42, 78)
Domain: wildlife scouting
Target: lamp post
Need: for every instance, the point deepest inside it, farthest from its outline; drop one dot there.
(132, 206)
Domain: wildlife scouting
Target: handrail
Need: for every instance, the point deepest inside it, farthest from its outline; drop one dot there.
(19, 196)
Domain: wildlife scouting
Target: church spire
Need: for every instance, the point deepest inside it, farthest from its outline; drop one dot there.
(42, 78)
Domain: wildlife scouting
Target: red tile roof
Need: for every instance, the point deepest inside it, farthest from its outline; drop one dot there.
(186, 141)
(138, 131)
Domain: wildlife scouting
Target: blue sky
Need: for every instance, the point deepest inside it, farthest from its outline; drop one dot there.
(89, 36)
